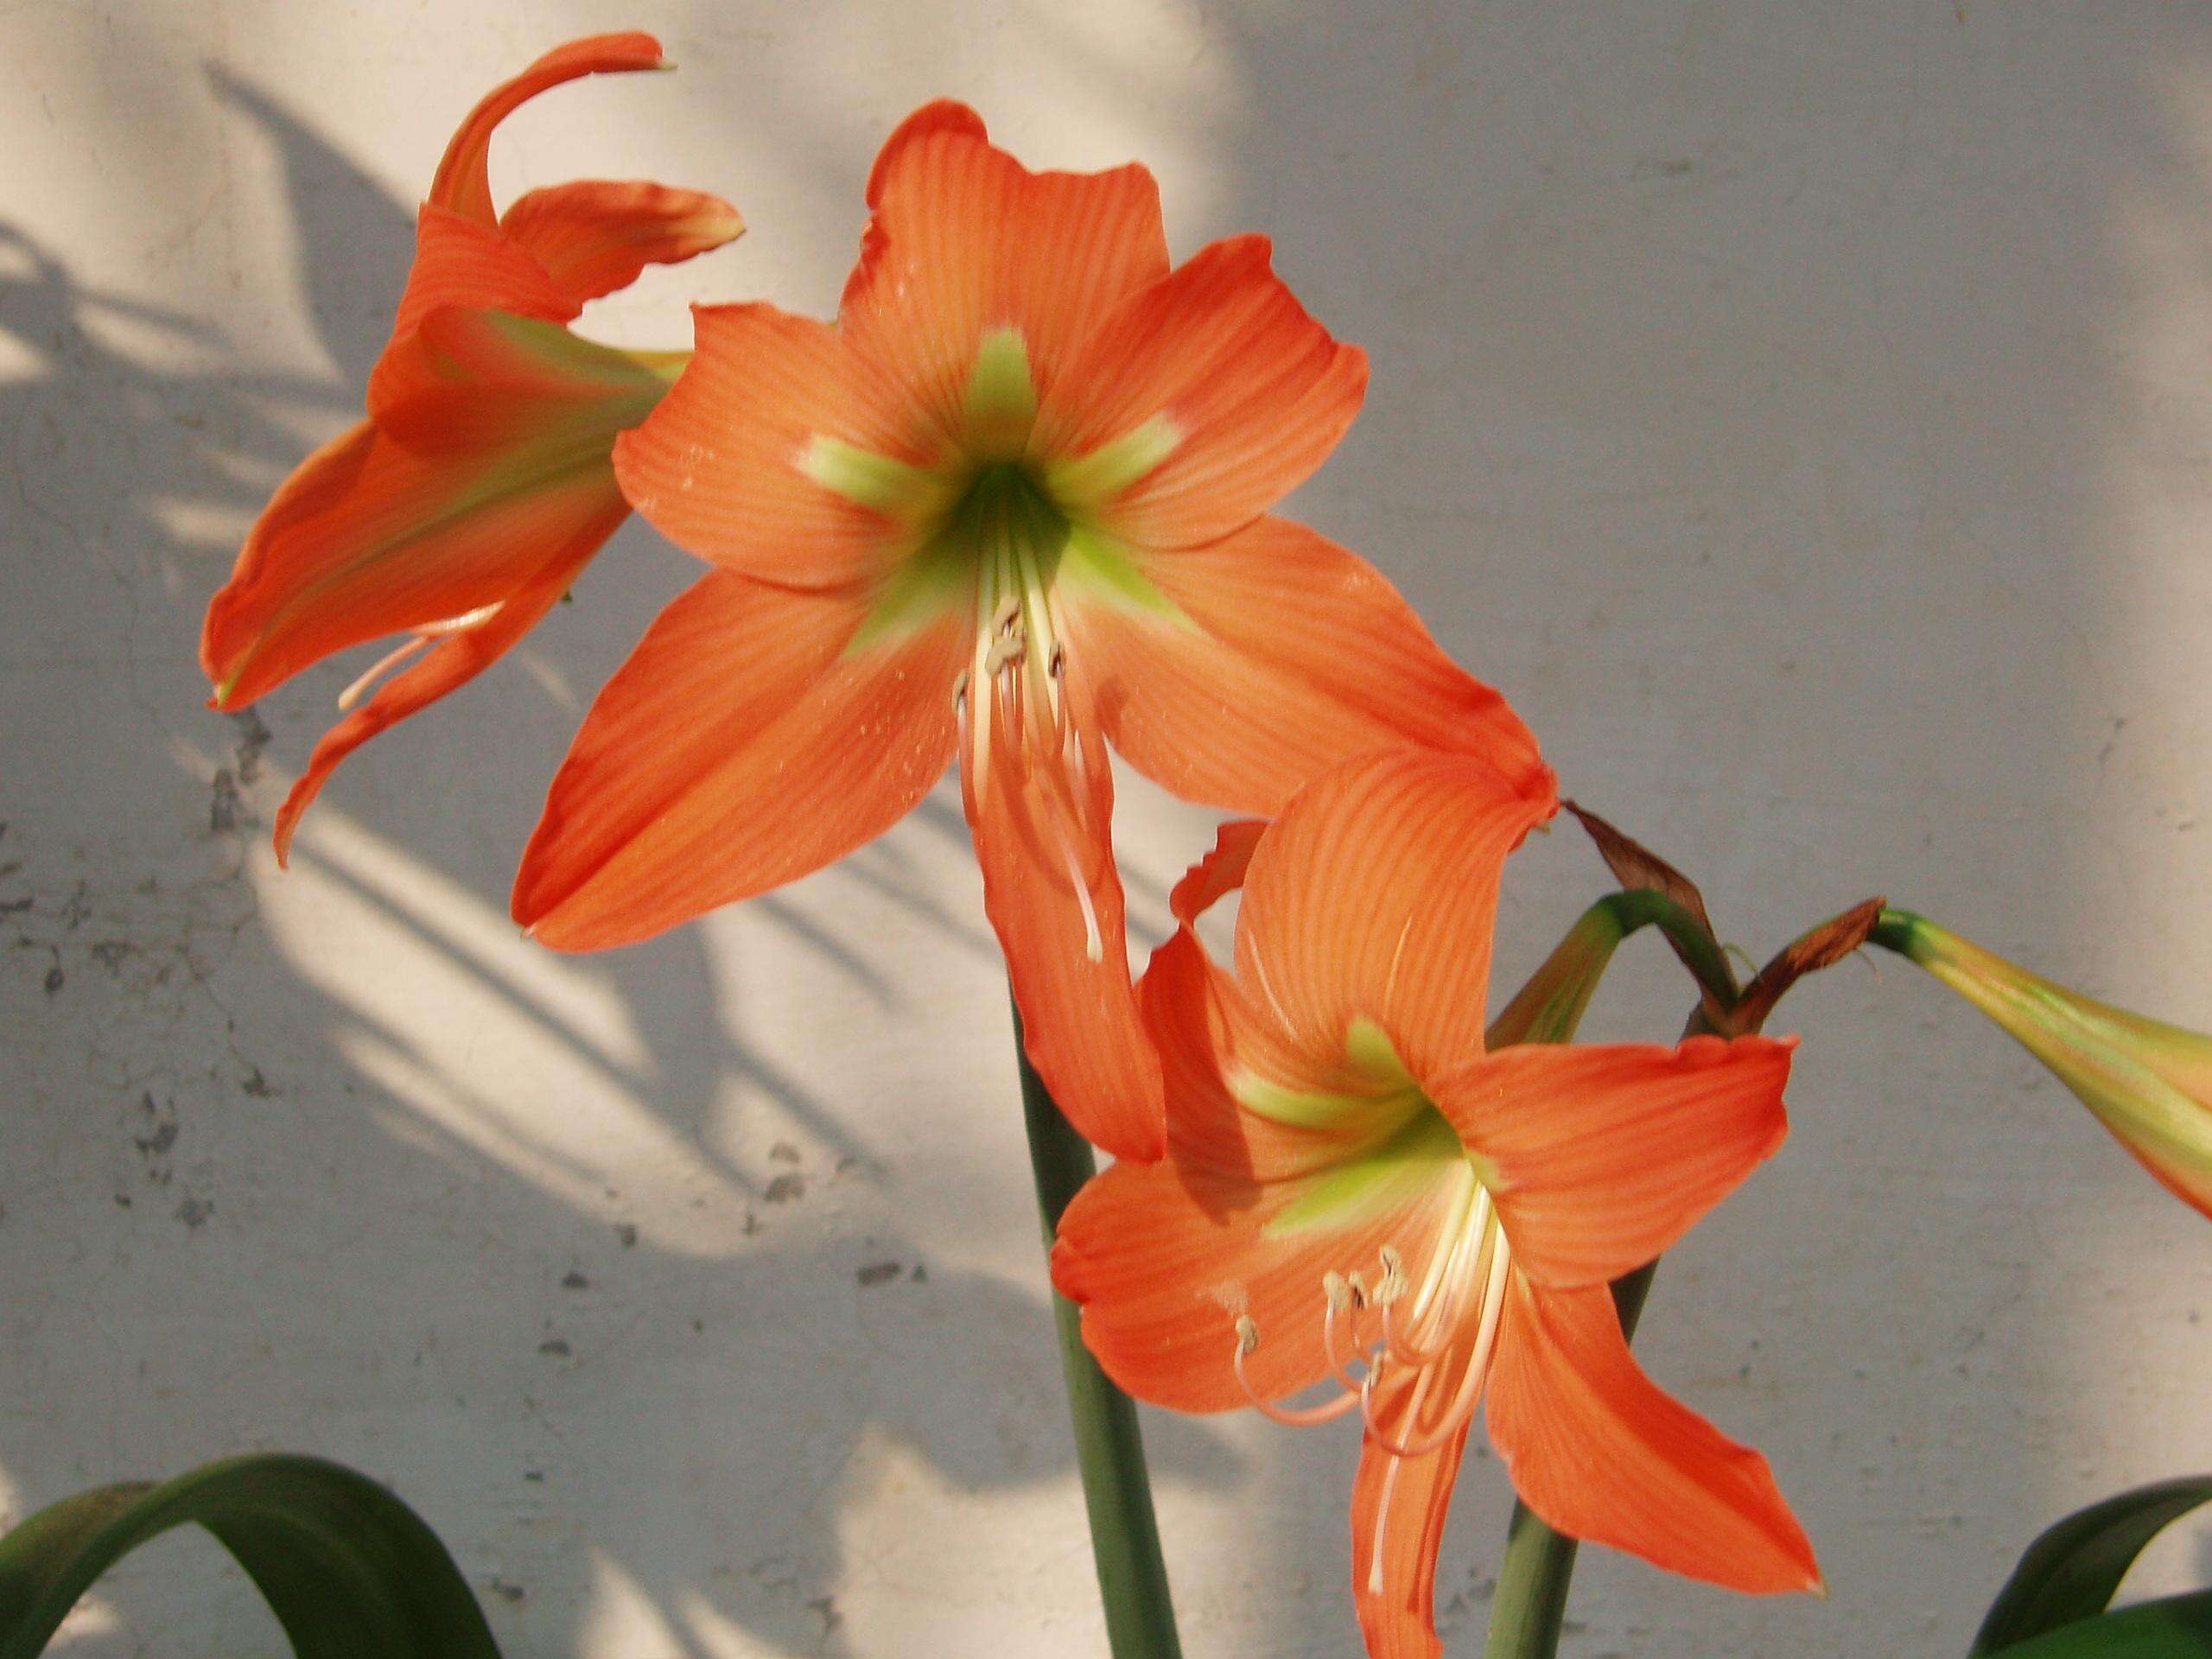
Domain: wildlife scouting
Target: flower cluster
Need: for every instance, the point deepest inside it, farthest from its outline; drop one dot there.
(1357, 1195)
(480, 485)
(1013, 508)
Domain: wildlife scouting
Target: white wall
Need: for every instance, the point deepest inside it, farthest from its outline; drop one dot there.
(1801, 411)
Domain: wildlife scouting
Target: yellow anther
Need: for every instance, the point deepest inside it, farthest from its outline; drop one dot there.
(1248, 1339)
(1358, 1286)
(1393, 1282)
(1003, 618)
(1006, 648)
(1336, 1292)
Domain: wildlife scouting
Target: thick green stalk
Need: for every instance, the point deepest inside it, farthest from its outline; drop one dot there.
(1549, 1007)
(1109, 1445)
(1531, 1603)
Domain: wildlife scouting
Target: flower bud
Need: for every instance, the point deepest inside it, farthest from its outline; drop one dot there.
(2150, 1083)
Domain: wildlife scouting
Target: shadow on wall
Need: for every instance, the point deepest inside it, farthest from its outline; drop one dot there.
(1773, 363)
(357, 1243)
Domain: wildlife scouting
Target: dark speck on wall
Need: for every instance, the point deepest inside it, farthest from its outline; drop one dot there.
(785, 1188)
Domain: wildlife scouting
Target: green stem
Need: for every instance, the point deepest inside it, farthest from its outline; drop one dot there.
(1530, 1605)
(1900, 930)
(1700, 953)
(1109, 1445)
(1549, 1007)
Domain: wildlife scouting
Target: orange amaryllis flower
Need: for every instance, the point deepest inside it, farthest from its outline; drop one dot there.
(481, 484)
(2149, 1083)
(1358, 1193)
(1011, 504)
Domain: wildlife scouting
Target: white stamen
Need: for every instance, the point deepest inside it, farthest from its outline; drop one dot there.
(391, 660)
(428, 633)
(1056, 691)
(1094, 944)
(1402, 1350)
(455, 624)
(1340, 1304)
(1079, 763)
(1449, 1279)
(976, 704)
(1248, 1342)
(1462, 1408)
(1005, 692)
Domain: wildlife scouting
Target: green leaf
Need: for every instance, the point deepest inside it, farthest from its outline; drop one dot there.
(2071, 1572)
(350, 1571)
(2179, 1627)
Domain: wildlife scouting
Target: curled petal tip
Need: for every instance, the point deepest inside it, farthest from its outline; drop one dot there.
(617, 50)
(462, 182)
